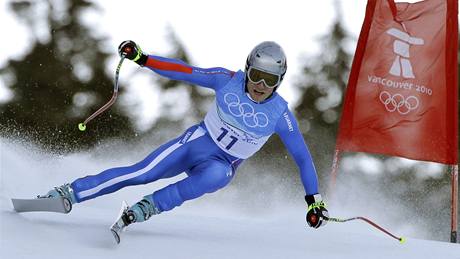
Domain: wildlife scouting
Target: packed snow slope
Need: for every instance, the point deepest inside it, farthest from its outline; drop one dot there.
(210, 227)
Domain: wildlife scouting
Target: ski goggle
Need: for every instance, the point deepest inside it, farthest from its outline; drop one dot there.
(256, 76)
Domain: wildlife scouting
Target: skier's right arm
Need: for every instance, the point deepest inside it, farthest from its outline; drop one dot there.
(213, 78)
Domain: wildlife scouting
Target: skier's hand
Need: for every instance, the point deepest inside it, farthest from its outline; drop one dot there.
(132, 51)
(317, 213)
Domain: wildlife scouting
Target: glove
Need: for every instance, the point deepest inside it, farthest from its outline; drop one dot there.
(317, 213)
(130, 50)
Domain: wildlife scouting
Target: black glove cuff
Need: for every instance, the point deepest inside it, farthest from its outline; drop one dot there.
(142, 60)
(310, 199)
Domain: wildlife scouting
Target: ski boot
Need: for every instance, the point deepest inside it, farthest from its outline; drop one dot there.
(139, 212)
(64, 193)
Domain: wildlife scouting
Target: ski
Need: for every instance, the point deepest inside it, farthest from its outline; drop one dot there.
(55, 204)
(119, 225)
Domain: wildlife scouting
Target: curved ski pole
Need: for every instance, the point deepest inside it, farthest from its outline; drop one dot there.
(400, 239)
(82, 126)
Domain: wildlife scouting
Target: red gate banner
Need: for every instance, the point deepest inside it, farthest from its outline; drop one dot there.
(401, 98)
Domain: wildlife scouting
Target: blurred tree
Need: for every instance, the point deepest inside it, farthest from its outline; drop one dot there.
(183, 110)
(322, 86)
(61, 81)
(198, 98)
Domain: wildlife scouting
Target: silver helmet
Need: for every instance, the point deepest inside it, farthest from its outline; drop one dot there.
(268, 57)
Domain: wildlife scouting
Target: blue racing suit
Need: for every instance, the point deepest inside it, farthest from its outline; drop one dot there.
(209, 153)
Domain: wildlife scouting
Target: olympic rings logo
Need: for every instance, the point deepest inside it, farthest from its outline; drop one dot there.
(398, 102)
(245, 110)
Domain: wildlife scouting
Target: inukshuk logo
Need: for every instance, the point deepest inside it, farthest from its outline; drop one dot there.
(401, 67)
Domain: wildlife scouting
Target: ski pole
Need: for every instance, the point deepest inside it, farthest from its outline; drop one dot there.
(400, 239)
(82, 126)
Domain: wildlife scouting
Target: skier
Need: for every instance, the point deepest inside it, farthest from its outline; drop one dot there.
(246, 111)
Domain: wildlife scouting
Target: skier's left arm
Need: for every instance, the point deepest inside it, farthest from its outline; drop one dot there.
(288, 130)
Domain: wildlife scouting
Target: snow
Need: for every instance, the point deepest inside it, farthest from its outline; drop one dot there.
(213, 226)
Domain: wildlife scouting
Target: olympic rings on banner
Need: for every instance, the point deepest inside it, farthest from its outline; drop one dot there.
(398, 102)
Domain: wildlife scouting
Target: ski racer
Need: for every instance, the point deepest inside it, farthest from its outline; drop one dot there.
(247, 110)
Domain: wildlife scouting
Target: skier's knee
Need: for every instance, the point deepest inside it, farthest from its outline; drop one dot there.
(218, 179)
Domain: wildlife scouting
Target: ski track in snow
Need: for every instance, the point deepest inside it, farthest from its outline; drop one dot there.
(210, 227)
